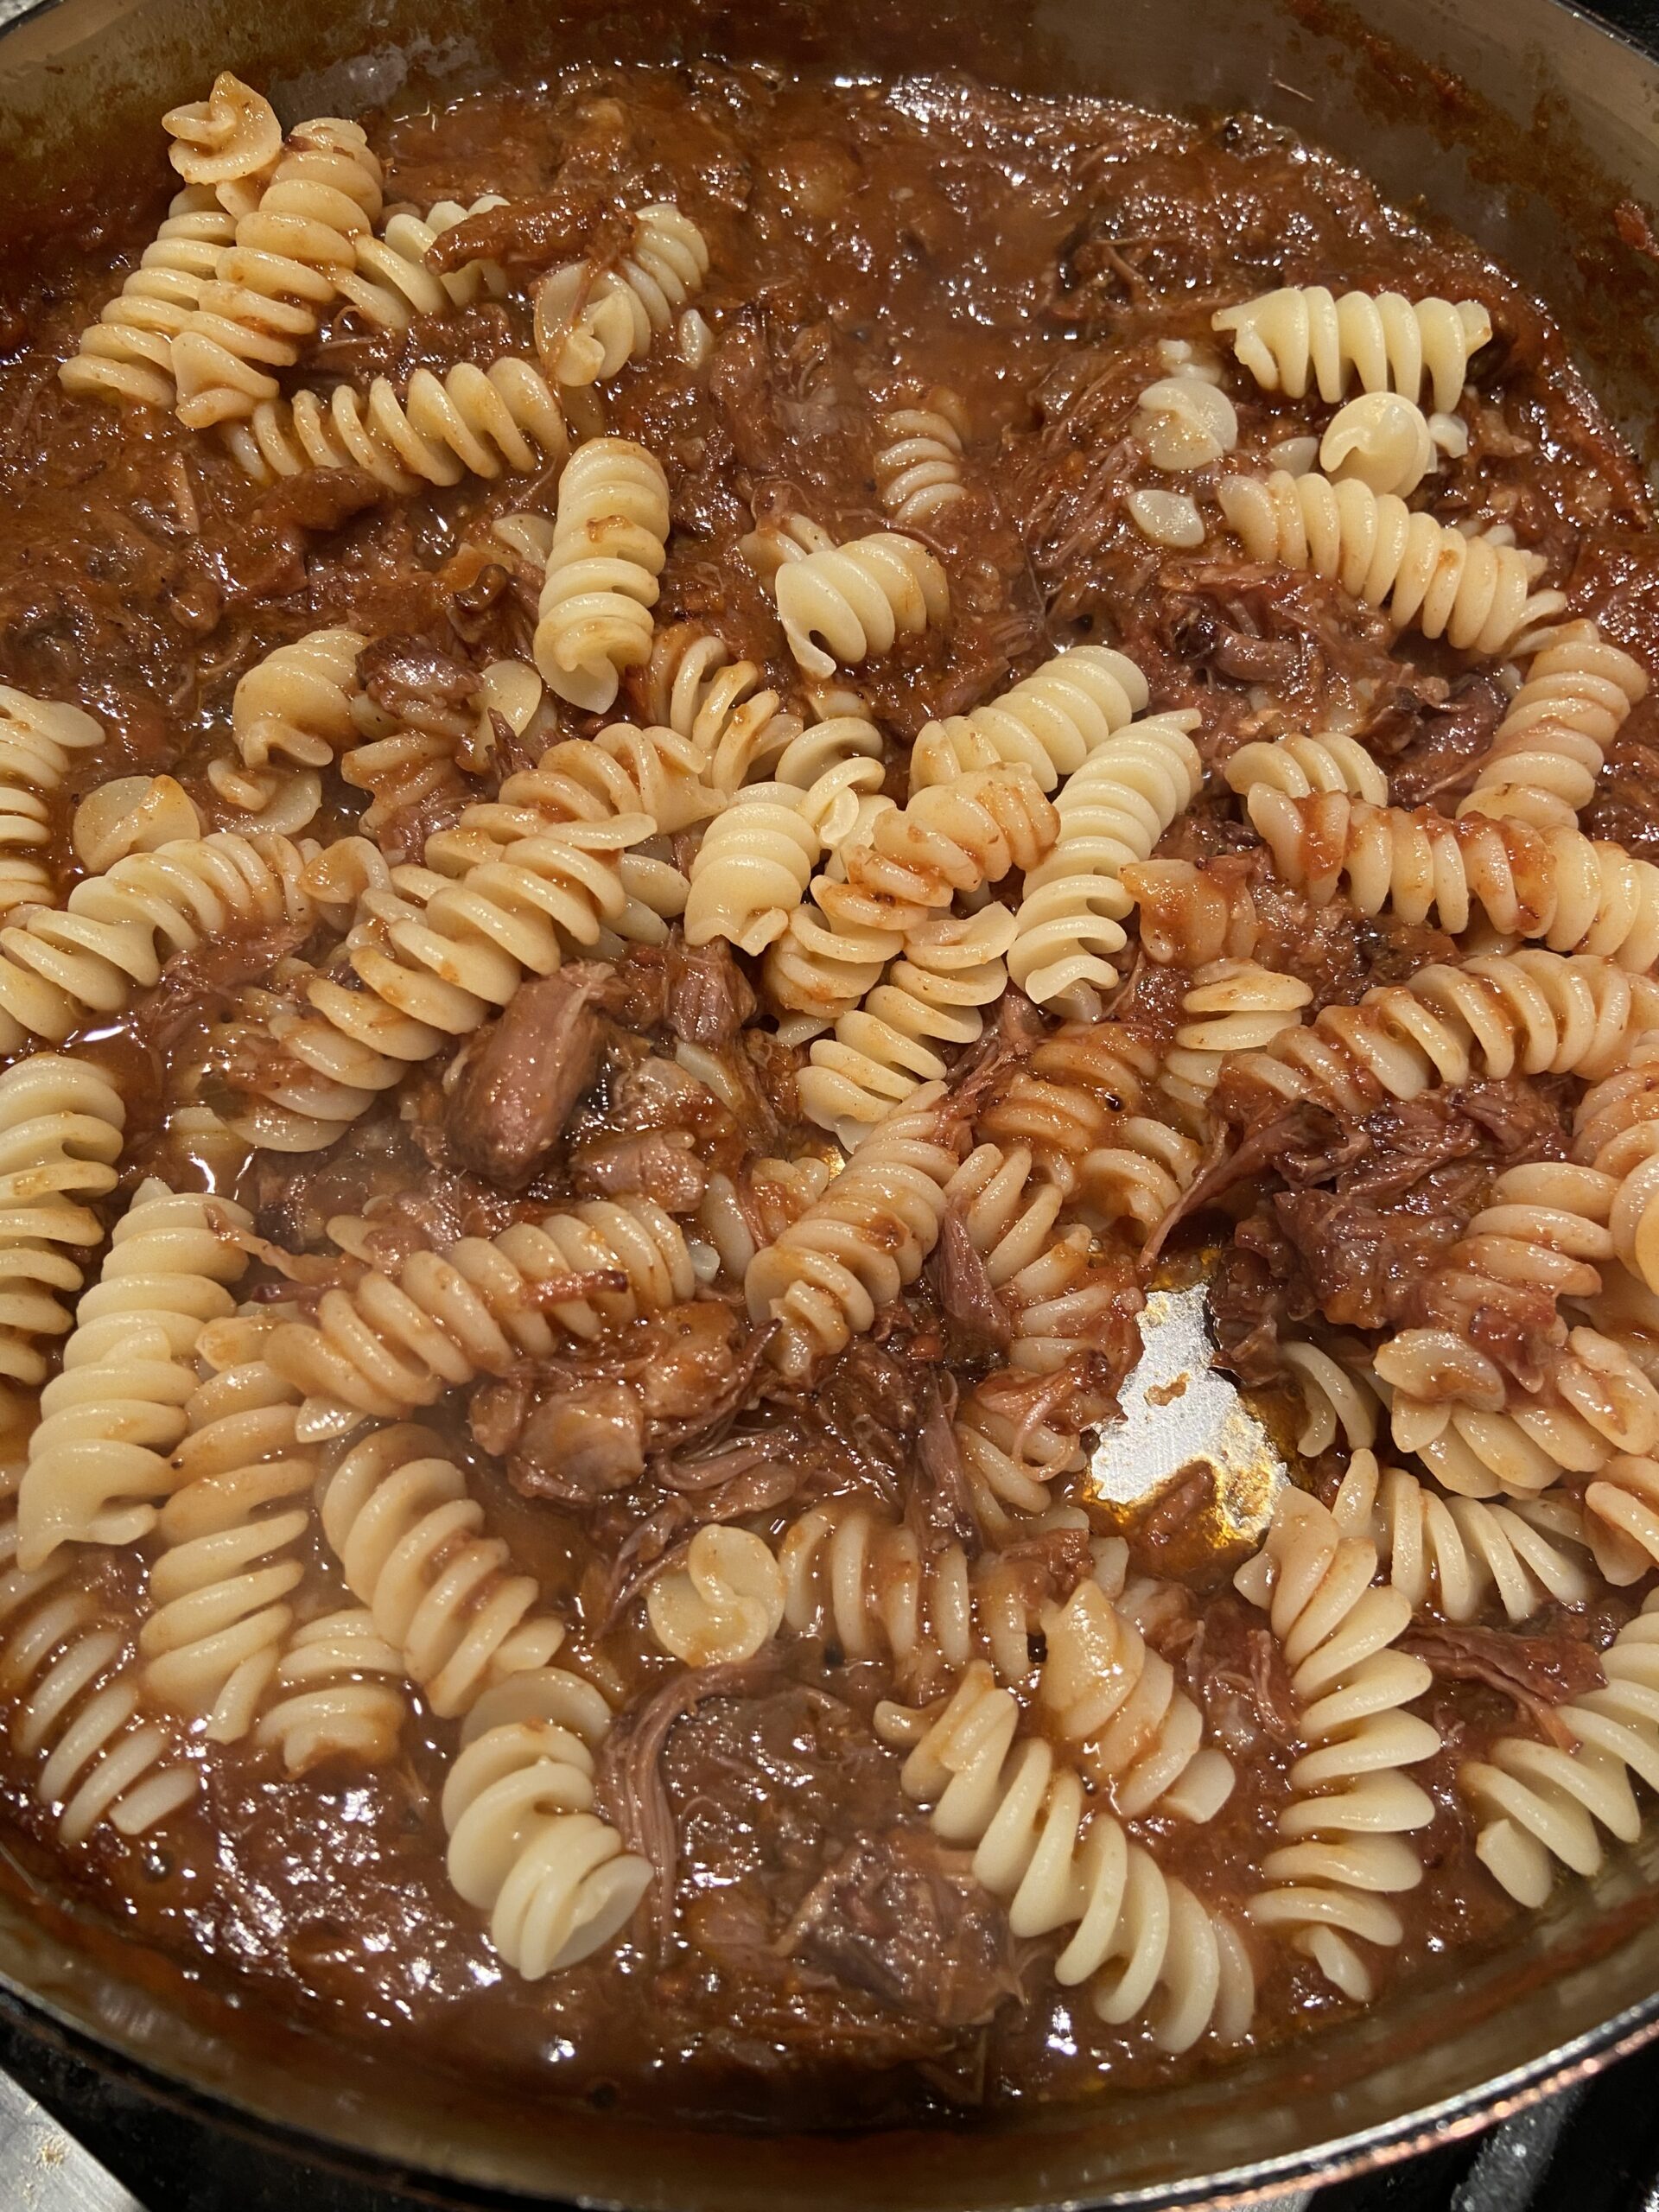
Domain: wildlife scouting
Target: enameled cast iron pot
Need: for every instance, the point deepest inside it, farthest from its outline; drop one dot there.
(1533, 130)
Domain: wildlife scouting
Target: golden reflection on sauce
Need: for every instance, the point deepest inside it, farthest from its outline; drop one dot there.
(1181, 1419)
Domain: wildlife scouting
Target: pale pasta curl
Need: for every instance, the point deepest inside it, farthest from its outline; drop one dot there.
(858, 598)
(722, 1603)
(1051, 722)
(1299, 766)
(591, 322)
(600, 581)
(919, 461)
(1302, 336)
(60, 1136)
(1549, 750)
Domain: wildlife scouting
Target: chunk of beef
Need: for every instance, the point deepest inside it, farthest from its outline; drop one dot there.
(708, 996)
(581, 1442)
(417, 682)
(1434, 746)
(901, 1917)
(1364, 1262)
(939, 1506)
(317, 500)
(661, 1166)
(535, 234)
(208, 977)
(719, 1381)
(520, 1084)
(1535, 1672)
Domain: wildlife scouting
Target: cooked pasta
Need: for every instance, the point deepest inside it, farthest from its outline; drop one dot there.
(469, 422)
(1549, 748)
(600, 582)
(1475, 592)
(1575, 895)
(886, 1047)
(1303, 337)
(60, 1134)
(272, 282)
(428, 960)
(722, 1603)
(479, 1306)
(1051, 723)
(852, 1249)
(1232, 1006)
(819, 968)
(135, 814)
(694, 688)
(102, 1457)
(591, 322)
(1299, 766)
(753, 867)
(127, 354)
(1532, 1013)
(1380, 439)
(1344, 1851)
(1137, 1735)
(335, 1695)
(221, 1584)
(1185, 422)
(859, 598)
(1143, 1942)
(919, 461)
(389, 283)
(65, 1667)
(1111, 812)
(863, 1581)
(525, 1844)
(1190, 916)
(1056, 1302)
(39, 739)
(1539, 1803)
(951, 838)
(91, 955)
(620, 770)
(1449, 1554)
(1338, 1396)
(298, 702)
(739, 1214)
(409, 1537)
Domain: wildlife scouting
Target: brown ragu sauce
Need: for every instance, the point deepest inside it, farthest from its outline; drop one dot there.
(825, 1957)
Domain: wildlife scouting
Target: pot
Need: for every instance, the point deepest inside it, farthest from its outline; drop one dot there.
(1531, 127)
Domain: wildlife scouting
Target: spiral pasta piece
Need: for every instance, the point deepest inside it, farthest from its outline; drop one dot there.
(1233, 1006)
(1385, 342)
(478, 1306)
(335, 1694)
(723, 1603)
(918, 463)
(1539, 1805)
(591, 322)
(1380, 439)
(1190, 916)
(739, 1215)
(469, 422)
(1529, 1013)
(1344, 1851)
(127, 354)
(220, 1587)
(38, 740)
(1549, 750)
(60, 1134)
(620, 771)
(857, 1247)
(953, 837)
(1623, 1503)
(428, 960)
(863, 1583)
(389, 283)
(609, 544)
(694, 688)
(1051, 723)
(1476, 594)
(1112, 813)
(1602, 1404)
(281, 271)
(1448, 1555)
(1044, 1278)
(109, 1422)
(751, 871)
(1299, 766)
(1337, 1395)
(932, 997)
(1144, 1943)
(66, 1674)
(1137, 1735)
(298, 702)
(525, 1844)
(92, 954)
(1577, 895)
(859, 598)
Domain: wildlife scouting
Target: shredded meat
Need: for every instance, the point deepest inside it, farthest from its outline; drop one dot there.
(708, 996)
(416, 682)
(1434, 746)
(521, 1081)
(580, 1444)
(978, 1318)
(1537, 1673)
(939, 1507)
(902, 1916)
(661, 1164)
(209, 978)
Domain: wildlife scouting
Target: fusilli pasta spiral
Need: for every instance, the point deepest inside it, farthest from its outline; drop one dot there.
(1111, 812)
(862, 1582)
(61, 1131)
(1539, 1803)
(525, 1844)
(336, 1694)
(397, 1512)
(739, 1214)
(1549, 750)
(38, 740)
(469, 421)
(127, 354)
(592, 322)
(1379, 438)
(271, 284)
(1299, 766)
(1475, 593)
(1577, 895)
(600, 582)
(1233, 1006)
(1384, 341)
(230, 141)
(479, 1306)
(954, 837)
(1147, 1945)
(853, 1250)
(859, 598)
(101, 1458)
(722, 1603)
(389, 283)
(1344, 1849)
(918, 465)
(1051, 723)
